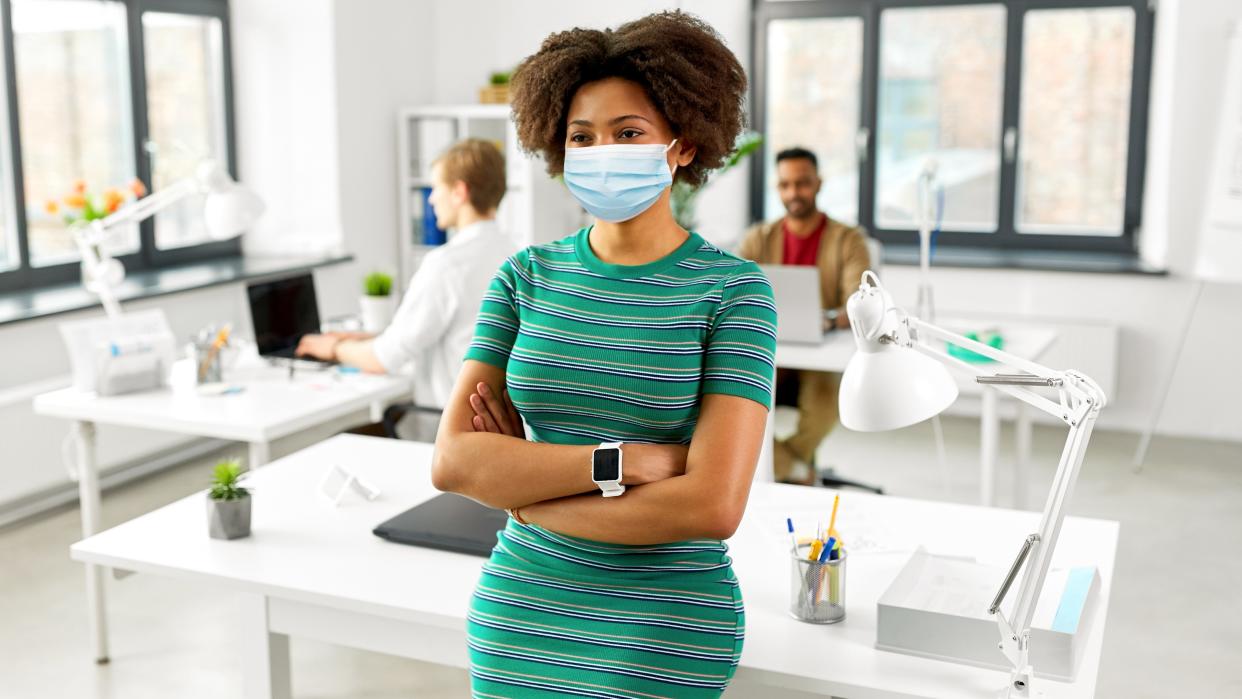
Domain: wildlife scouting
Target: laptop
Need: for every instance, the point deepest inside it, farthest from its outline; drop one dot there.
(800, 315)
(282, 311)
(449, 522)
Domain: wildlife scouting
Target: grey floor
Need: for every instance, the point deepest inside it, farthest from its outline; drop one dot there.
(1174, 628)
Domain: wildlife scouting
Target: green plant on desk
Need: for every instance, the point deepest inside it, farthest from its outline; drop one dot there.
(377, 284)
(228, 504)
(499, 78)
(225, 482)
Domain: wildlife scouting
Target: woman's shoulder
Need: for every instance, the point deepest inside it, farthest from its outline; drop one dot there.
(557, 251)
(732, 268)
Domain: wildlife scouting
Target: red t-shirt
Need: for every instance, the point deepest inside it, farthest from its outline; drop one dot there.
(803, 250)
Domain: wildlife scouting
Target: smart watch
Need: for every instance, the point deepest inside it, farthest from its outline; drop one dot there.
(606, 468)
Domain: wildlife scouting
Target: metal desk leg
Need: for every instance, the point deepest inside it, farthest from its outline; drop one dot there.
(260, 453)
(1022, 439)
(264, 655)
(88, 499)
(989, 433)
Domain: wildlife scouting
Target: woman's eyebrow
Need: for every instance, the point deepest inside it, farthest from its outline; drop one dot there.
(612, 122)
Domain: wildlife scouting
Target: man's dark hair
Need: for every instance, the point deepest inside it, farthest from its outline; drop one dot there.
(798, 153)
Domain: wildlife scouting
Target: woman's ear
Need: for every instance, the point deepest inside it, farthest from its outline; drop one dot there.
(686, 153)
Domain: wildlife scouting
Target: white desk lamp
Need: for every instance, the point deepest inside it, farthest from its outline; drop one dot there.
(895, 380)
(229, 208)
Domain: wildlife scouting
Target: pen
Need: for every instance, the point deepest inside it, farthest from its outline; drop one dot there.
(793, 540)
(823, 555)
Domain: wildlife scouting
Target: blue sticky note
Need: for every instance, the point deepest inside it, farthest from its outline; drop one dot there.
(1073, 599)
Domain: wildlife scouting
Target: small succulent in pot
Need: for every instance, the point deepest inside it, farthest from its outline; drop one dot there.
(228, 503)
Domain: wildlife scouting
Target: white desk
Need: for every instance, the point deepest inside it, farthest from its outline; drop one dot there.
(315, 572)
(271, 406)
(1026, 341)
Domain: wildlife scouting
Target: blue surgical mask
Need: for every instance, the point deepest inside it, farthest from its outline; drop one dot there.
(617, 182)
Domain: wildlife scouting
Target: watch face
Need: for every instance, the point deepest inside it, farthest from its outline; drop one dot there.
(606, 465)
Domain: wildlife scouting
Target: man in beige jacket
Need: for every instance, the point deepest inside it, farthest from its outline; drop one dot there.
(807, 236)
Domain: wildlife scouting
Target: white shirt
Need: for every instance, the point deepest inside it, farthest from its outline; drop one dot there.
(434, 325)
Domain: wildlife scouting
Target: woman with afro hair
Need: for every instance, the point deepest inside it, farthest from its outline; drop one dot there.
(639, 357)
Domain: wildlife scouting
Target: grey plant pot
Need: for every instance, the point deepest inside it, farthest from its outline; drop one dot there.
(228, 519)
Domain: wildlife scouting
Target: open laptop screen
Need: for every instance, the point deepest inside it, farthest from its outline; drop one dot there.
(282, 311)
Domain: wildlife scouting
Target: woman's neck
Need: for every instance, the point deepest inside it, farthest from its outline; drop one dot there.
(645, 238)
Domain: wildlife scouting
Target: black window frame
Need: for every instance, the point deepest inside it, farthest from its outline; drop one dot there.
(148, 256)
(1006, 235)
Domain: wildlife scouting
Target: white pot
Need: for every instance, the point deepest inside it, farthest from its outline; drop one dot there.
(376, 312)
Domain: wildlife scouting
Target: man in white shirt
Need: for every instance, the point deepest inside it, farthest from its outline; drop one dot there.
(435, 323)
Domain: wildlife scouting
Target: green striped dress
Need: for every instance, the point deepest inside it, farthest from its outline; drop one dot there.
(595, 352)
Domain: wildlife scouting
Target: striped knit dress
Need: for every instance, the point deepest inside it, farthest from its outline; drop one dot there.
(595, 353)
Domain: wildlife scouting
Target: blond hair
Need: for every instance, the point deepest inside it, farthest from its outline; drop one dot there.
(481, 166)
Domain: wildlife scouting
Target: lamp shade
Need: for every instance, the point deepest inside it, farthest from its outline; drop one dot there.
(891, 386)
(229, 211)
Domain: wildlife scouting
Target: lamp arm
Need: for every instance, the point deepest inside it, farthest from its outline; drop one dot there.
(1080, 402)
(147, 206)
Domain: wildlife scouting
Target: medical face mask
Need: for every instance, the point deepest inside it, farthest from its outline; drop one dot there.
(617, 182)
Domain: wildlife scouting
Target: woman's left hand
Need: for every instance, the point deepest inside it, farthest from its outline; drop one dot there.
(496, 414)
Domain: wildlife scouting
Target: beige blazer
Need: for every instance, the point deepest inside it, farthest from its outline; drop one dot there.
(843, 256)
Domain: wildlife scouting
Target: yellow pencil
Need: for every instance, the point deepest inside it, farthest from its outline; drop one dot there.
(832, 522)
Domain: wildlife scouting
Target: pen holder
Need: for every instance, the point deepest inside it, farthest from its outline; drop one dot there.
(208, 364)
(817, 590)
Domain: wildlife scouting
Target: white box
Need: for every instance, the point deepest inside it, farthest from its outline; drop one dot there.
(937, 608)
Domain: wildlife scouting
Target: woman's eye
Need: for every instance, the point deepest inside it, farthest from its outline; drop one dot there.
(578, 138)
(631, 133)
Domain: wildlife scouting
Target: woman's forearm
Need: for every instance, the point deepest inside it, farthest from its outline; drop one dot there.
(674, 509)
(506, 472)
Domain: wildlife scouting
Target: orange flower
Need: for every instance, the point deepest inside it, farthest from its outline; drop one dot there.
(138, 188)
(112, 206)
(112, 198)
(51, 207)
(75, 201)
(79, 186)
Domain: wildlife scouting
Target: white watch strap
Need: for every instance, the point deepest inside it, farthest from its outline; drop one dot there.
(611, 489)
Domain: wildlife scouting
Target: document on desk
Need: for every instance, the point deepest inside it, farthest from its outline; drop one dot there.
(937, 607)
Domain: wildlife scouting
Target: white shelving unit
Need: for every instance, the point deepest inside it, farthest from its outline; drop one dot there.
(536, 208)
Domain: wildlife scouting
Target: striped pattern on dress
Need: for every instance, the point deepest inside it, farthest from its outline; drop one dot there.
(595, 352)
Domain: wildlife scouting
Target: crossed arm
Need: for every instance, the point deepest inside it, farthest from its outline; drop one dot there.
(674, 492)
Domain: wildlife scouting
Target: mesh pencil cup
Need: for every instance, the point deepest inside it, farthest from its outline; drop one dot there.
(816, 590)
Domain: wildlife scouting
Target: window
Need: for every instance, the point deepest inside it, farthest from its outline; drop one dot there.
(1033, 113)
(185, 112)
(101, 93)
(941, 86)
(815, 70)
(73, 99)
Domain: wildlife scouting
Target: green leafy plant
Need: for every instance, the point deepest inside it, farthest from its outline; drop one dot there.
(500, 77)
(224, 484)
(377, 284)
(684, 195)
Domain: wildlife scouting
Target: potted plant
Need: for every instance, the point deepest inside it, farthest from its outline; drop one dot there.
(376, 303)
(228, 504)
(497, 90)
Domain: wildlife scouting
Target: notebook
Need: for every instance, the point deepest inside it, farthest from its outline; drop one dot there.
(449, 522)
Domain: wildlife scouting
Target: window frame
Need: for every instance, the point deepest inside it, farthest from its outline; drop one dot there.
(1006, 235)
(148, 257)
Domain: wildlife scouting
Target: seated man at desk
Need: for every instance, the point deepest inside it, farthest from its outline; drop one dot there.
(435, 322)
(807, 236)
